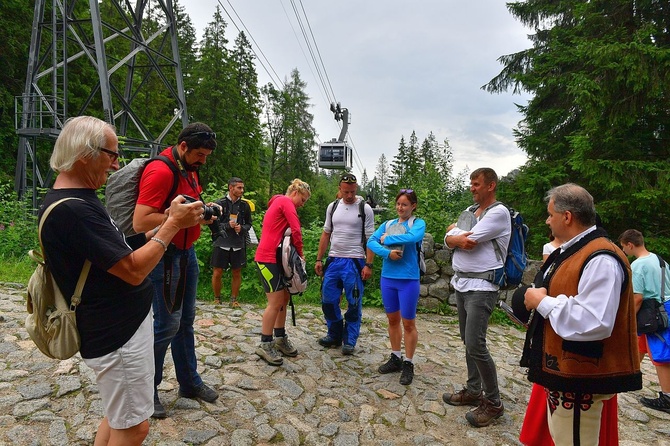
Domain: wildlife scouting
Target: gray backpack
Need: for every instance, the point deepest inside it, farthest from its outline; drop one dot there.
(123, 188)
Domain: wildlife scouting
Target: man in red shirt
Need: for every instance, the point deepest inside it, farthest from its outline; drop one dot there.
(175, 278)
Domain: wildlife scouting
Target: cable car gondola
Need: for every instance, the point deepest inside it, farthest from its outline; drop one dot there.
(336, 154)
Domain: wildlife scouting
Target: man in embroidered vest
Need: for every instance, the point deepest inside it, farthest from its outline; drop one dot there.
(647, 284)
(581, 344)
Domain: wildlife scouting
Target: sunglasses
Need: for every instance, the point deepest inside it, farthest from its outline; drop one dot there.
(406, 191)
(348, 178)
(208, 135)
(113, 155)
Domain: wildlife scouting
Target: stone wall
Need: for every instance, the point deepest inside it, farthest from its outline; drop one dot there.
(436, 288)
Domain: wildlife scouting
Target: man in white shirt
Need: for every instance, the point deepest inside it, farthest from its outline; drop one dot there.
(348, 265)
(583, 348)
(475, 261)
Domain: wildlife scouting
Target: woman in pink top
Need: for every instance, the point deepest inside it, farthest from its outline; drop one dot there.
(281, 214)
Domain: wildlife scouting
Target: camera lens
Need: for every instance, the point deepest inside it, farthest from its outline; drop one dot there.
(210, 211)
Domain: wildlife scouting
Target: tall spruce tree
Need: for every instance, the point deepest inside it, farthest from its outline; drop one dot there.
(600, 113)
(289, 133)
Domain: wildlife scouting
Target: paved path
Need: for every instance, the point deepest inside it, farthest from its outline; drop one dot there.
(317, 398)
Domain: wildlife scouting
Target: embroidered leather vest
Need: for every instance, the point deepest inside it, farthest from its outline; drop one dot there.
(610, 365)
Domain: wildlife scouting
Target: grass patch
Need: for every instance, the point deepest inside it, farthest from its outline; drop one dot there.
(16, 270)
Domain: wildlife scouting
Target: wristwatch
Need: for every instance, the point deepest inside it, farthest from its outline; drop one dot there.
(369, 265)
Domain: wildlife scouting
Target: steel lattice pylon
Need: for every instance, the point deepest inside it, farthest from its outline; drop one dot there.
(126, 51)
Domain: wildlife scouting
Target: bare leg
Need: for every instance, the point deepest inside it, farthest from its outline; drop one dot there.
(280, 320)
(217, 273)
(663, 372)
(411, 337)
(236, 282)
(133, 436)
(395, 331)
(273, 311)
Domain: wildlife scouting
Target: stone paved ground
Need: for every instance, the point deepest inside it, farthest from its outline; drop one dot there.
(317, 398)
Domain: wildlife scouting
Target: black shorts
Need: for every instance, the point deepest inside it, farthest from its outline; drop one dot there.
(271, 275)
(224, 258)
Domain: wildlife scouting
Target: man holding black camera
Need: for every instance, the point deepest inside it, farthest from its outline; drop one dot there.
(175, 278)
(229, 239)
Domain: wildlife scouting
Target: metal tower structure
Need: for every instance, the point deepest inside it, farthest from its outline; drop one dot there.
(120, 61)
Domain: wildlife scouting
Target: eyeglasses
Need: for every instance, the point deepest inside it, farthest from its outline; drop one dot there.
(406, 191)
(112, 154)
(348, 178)
(209, 135)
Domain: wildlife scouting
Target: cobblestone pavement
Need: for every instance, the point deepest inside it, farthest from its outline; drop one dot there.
(318, 398)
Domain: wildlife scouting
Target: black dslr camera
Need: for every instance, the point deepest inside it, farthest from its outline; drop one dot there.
(207, 211)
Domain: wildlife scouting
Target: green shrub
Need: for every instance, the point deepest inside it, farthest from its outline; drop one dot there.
(18, 228)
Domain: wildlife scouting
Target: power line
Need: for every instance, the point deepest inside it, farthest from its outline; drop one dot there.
(317, 50)
(255, 43)
(323, 80)
(310, 49)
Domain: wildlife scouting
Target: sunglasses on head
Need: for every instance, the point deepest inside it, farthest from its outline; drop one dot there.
(348, 178)
(208, 135)
(112, 154)
(406, 191)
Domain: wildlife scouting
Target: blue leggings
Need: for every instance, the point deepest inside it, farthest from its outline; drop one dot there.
(400, 294)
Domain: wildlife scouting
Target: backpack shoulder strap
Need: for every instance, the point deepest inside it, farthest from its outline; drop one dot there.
(76, 297)
(662, 263)
(175, 173)
(332, 209)
(361, 213)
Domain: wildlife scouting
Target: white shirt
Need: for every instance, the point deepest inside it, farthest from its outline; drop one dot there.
(590, 314)
(496, 224)
(345, 229)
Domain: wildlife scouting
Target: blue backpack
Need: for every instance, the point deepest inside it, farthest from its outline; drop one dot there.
(510, 275)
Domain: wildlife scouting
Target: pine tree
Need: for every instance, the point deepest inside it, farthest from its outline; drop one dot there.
(600, 114)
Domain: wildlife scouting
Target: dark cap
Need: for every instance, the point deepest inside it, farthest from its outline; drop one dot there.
(518, 306)
(198, 135)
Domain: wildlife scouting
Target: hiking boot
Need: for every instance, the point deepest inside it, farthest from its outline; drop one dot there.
(347, 349)
(269, 353)
(407, 374)
(284, 345)
(327, 341)
(159, 410)
(394, 364)
(485, 413)
(661, 403)
(462, 398)
(203, 392)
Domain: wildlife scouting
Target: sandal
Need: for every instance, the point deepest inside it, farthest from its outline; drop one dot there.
(217, 301)
(234, 303)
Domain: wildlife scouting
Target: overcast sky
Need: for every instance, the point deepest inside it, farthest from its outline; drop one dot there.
(397, 66)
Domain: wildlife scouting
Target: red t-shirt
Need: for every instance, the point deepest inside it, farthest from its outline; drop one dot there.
(155, 185)
(281, 214)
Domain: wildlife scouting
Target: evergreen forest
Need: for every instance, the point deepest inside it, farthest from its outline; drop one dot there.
(598, 73)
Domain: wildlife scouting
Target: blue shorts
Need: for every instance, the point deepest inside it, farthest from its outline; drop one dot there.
(400, 295)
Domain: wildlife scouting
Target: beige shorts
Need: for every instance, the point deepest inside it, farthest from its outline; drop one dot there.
(125, 379)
